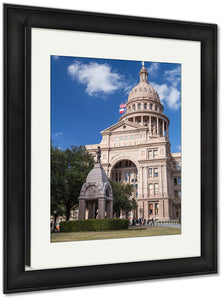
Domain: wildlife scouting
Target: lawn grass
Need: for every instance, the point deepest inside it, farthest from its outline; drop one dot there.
(99, 235)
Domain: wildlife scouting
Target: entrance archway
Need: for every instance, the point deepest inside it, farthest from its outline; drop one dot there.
(125, 171)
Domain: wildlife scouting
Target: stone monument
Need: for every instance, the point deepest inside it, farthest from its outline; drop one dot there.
(97, 188)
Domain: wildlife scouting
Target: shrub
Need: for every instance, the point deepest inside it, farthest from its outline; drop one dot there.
(94, 225)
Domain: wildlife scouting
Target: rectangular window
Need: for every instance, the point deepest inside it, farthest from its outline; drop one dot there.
(150, 154)
(120, 177)
(156, 188)
(179, 193)
(150, 189)
(177, 212)
(179, 181)
(127, 177)
(175, 181)
(150, 172)
(151, 208)
(175, 195)
(156, 172)
(130, 175)
(155, 152)
(156, 208)
(178, 166)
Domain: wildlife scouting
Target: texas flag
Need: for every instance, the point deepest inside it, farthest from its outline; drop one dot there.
(122, 108)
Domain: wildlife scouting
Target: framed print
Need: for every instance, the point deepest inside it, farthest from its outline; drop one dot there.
(110, 147)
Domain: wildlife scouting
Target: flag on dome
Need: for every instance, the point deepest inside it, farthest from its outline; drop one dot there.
(122, 108)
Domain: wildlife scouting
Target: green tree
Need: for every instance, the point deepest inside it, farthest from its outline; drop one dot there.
(69, 169)
(121, 194)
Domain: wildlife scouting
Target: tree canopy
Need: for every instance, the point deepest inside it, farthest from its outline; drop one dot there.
(121, 194)
(69, 169)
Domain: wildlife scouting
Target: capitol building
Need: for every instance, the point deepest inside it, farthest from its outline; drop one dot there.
(136, 150)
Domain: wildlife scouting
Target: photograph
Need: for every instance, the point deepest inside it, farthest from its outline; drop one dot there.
(115, 148)
(110, 150)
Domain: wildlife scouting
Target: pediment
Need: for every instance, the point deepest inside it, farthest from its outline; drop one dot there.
(122, 126)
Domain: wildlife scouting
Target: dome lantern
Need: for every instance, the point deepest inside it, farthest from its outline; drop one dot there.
(143, 74)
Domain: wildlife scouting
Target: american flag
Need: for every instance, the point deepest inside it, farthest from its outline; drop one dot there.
(122, 108)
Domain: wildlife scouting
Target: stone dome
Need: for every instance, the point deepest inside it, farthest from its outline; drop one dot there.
(97, 174)
(143, 90)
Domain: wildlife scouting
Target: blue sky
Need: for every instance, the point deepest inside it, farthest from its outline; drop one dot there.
(86, 94)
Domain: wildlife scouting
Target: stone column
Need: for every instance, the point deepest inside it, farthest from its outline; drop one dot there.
(122, 175)
(157, 126)
(164, 180)
(150, 119)
(140, 185)
(167, 209)
(82, 209)
(145, 182)
(161, 209)
(146, 210)
(142, 182)
(163, 129)
(101, 208)
(167, 131)
(109, 209)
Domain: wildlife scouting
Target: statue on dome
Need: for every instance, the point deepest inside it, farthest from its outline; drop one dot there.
(99, 155)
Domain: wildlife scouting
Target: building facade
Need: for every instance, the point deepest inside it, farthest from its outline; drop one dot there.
(136, 150)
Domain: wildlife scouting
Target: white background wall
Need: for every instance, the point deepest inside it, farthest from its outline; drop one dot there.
(202, 287)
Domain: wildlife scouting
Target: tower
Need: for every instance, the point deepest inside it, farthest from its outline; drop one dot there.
(136, 150)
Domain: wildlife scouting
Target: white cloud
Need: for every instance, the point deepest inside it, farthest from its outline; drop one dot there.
(56, 57)
(169, 95)
(169, 92)
(99, 79)
(173, 75)
(58, 134)
(153, 68)
(178, 147)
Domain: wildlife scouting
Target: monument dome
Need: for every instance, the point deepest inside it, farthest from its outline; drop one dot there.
(97, 174)
(97, 188)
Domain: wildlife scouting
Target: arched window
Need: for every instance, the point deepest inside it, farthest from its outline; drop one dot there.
(156, 108)
(107, 193)
(151, 106)
(139, 106)
(129, 108)
(134, 107)
(145, 106)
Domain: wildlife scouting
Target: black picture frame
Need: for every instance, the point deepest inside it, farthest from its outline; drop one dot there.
(18, 21)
